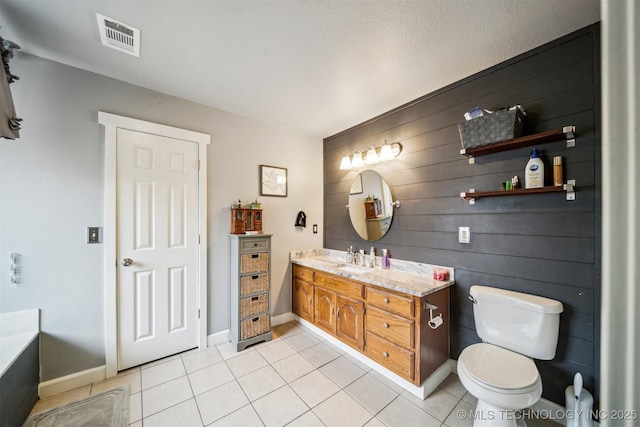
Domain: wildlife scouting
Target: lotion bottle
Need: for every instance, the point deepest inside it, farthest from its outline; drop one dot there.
(385, 259)
(534, 172)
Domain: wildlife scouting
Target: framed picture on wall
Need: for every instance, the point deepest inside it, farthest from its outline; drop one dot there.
(356, 187)
(273, 181)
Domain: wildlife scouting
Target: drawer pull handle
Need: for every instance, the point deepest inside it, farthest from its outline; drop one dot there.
(255, 320)
(254, 256)
(254, 298)
(386, 300)
(386, 325)
(385, 354)
(255, 244)
(254, 277)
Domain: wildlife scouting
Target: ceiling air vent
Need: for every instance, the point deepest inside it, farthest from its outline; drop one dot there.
(116, 35)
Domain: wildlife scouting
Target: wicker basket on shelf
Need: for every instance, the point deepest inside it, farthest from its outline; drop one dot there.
(254, 326)
(498, 126)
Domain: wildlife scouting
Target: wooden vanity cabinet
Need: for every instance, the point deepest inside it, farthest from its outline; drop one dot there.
(302, 295)
(388, 326)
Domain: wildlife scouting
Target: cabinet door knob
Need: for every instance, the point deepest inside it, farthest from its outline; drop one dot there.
(386, 325)
(386, 300)
(385, 354)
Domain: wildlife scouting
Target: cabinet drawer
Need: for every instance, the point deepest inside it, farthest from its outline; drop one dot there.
(254, 305)
(252, 245)
(255, 326)
(343, 287)
(303, 273)
(391, 327)
(250, 263)
(391, 302)
(252, 284)
(393, 357)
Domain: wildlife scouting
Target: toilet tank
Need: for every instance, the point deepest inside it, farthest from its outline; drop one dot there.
(524, 323)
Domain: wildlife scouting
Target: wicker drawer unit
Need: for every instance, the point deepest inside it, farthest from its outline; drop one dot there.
(250, 289)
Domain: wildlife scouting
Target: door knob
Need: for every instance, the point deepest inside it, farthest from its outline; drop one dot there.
(127, 262)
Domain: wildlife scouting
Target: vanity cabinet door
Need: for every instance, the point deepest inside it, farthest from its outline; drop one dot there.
(302, 303)
(325, 309)
(350, 321)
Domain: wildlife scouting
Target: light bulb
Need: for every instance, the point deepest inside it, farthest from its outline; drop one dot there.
(372, 156)
(386, 153)
(345, 163)
(357, 161)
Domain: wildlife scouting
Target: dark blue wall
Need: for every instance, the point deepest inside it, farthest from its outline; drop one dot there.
(539, 244)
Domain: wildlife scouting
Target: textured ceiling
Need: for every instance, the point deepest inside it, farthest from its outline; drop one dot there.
(314, 66)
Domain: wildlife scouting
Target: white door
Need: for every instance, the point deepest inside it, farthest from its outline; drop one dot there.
(157, 246)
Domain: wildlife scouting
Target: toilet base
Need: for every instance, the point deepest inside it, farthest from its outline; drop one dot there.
(487, 415)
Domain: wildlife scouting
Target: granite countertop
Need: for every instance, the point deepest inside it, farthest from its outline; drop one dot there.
(404, 276)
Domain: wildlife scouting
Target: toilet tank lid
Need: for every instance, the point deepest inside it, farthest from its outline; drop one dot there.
(524, 301)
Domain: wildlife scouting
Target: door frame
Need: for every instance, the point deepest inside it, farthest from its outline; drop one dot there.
(111, 123)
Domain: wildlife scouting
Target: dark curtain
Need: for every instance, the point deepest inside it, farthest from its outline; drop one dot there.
(9, 123)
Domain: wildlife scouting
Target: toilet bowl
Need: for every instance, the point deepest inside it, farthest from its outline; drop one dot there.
(503, 381)
(500, 371)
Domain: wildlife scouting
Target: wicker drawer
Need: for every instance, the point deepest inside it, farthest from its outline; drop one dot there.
(343, 287)
(393, 328)
(252, 245)
(393, 357)
(250, 263)
(303, 273)
(394, 303)
(254, 305)
(254, 326)
(252, 284)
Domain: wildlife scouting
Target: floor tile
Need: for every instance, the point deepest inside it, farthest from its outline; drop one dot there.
(453, 385)
(342, 372)
(133, 379)
(243, 417)
(308, 419)
(221, 401)
(301, 341)
(243, 364)
(386, 381)
(342, 410)
(210, 378)
(165, 395)
(162, 373)
(314, 388)
(160, 361)
(200, 358)
(258, 383)
(275, 350)
(280, 407)
(402, 413)
(371, 393)
(229, 350)
(440, 403)
(461, 416)
(375, 423)
(287, 330)
(293, 367)
(320, 354)
(470, 399)
(135, 407)
(182, 414)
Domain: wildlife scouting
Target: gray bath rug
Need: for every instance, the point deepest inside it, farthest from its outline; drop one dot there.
(108, 409)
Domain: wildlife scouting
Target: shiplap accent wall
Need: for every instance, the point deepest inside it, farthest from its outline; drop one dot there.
(539, 244)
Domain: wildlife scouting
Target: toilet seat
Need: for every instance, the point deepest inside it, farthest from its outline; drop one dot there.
(498, 369)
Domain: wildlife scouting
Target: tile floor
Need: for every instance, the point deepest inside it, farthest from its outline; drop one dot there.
(298, 379)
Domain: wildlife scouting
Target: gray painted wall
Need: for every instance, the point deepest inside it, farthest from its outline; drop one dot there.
(52, 187)
(538, 244)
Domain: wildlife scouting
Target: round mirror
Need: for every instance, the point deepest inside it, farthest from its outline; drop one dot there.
(370, 205)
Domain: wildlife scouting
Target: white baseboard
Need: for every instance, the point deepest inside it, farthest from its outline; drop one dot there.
(69, 382)
(218, 338)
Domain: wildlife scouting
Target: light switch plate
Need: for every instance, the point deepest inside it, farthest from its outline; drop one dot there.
(464, 235)
(94, 235)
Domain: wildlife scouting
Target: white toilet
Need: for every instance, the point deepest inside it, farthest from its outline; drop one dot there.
(500, 372)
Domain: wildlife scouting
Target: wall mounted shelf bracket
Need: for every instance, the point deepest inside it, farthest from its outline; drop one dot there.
(569, 188)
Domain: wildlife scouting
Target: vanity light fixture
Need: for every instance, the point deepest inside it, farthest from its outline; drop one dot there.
(373, 155)
(345, 163)
(357, 161)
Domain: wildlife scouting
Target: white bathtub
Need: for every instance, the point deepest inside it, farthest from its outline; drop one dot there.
(17, 330)
(19, 364)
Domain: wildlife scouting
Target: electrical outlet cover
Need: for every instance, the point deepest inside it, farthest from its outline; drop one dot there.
(464, 235)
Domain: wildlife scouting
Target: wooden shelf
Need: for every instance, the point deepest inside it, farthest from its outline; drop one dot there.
(518, 191)
(566, 132)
